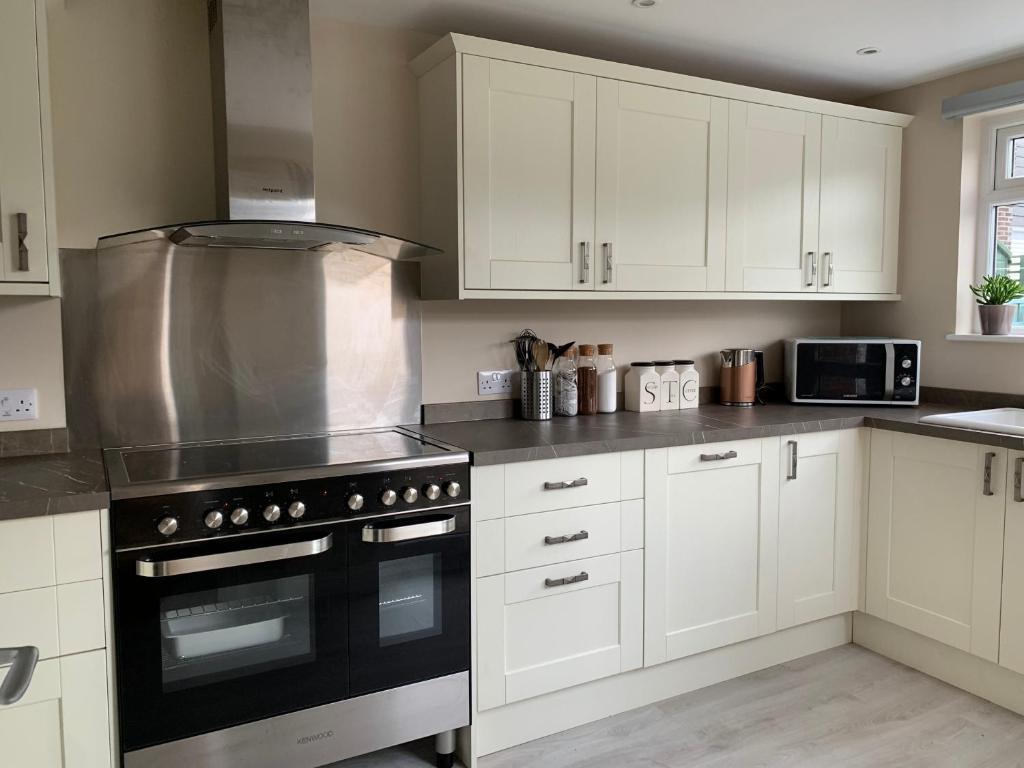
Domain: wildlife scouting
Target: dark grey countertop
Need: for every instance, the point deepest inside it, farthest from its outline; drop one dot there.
(52, 483)
(501, 441)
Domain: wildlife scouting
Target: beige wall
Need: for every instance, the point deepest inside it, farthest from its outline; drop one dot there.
(929, 240)
(30, 357)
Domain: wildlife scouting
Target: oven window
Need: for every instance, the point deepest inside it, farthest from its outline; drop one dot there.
(234, 631)
(409, 591)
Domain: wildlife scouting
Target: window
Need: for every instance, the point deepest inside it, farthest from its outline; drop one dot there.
(1001, 202)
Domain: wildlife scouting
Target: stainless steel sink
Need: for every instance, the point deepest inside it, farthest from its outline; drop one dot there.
(1009, 421)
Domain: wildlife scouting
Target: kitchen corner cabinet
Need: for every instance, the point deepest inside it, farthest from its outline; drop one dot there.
(1011, 633)
(545, 175)
(27, 227)
(935, 540)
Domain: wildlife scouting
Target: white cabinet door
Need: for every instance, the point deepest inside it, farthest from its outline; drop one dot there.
(21, 146)
(774, 175)
(860, 206)
(819, 525)
(935, 538)
(661, 189)
(528, 164)
(1011, 635)
(710, 576)
(535, 635)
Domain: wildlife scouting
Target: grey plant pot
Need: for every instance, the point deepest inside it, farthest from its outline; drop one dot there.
(996, 319)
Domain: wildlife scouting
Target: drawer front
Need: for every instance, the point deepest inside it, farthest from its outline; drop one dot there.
(534, 583)
(545, 538)
(694, 458)
(30, 618)
(539, 486)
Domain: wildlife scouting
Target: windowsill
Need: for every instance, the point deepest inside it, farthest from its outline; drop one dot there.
(1013, 338)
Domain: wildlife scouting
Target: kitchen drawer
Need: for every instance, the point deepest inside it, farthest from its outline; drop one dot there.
(539, 486)
(30, 618)
(693, 458)
(533, 540)
(531, 584)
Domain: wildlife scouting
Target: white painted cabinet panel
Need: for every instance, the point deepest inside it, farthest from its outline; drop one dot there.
(26, 554)
(661, 187)
(30, 735)
(935, 538)
(85, 709)
(819, 525)
(528, 159)
(860, 206)
(710, 546)
(545, 538)
(774, 177)
(576, 481)
(1011, 635)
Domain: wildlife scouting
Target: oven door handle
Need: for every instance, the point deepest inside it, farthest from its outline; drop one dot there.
(390, 534)
(159, 568)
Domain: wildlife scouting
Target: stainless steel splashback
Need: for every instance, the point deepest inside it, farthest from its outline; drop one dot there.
(168, 344)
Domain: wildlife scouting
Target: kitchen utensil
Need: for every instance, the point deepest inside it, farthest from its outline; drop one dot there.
(523, 344)
(742, 376)
(541, 353)
(535, 395)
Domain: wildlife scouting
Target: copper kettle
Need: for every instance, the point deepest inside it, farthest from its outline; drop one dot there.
(742, 376)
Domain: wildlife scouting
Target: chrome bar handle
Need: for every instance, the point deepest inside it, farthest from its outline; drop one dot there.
(814, 269)
(22, 221)
(388, 534)
(584, 261)
(22, 663)
(794, 457)
(829, 269)
(1018, 479)
(151, 569)
(718, 456)
(582, 576)
(566, 539)
(579, 482)
(607, 262)
(987, 486)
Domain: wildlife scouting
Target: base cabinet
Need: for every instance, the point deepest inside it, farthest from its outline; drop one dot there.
(1011, 633)
(935, 538)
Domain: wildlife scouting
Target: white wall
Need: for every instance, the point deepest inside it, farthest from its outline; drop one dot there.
(929, 235)
(30, 357)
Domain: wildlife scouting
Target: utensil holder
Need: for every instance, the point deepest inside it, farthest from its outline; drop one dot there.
(536, 395)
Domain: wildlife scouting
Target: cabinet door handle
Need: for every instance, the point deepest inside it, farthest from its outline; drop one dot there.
(1018, 478)
(814, 269)
(582, 576)
(566, 539)
(607, 262)
(584, 261)
(22, 222)
(579, 482)
(987, 486)
(23, 664)
(794, 457)
(829, 270)
(718, 456)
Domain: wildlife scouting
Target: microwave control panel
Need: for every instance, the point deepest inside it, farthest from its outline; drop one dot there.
(906, 372)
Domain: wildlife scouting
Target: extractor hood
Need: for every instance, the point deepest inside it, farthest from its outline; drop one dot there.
(263, 139)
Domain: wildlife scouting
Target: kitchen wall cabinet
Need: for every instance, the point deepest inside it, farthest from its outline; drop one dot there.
(935, 539)
(1011, 633)
(546, 175)
(710, 546)
(819, 525)
(27, 225)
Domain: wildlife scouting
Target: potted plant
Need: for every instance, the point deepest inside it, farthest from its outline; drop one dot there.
(994, 295)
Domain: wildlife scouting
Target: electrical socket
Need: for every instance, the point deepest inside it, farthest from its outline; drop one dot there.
(18, 404)
(494, 382)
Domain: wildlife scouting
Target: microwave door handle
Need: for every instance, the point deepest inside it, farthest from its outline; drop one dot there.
(393, 533)
(890, 371)
(200, 563)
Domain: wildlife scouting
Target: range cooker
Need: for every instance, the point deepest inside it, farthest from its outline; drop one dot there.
(290, 601)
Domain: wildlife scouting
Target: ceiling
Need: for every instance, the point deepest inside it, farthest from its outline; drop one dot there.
(803, 46)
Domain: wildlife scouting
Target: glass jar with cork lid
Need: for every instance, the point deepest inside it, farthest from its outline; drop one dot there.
(586, 377)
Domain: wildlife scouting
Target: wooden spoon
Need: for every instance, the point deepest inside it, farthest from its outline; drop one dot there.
(541, 353)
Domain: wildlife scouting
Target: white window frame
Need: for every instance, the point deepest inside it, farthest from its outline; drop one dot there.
(995, 185)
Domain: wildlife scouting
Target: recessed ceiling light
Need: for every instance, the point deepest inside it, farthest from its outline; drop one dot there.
(868, 51)
(644, 3)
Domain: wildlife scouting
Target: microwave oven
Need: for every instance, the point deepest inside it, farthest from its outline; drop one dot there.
(878, 371)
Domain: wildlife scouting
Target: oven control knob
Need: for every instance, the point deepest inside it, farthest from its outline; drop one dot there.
(355, 502)
(432, 491)
(214, 519)
(905, 381)
(296, 509)
(410, 494)
(388, 497)
(906, 362)
(240, 516)
(453, 489)
(168, 526)
(271, 513)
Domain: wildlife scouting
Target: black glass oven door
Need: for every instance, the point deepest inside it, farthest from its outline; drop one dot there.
(409, 599)
(841, 371)
(229, 631)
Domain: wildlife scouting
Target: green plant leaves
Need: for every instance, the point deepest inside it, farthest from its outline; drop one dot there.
(998, 289)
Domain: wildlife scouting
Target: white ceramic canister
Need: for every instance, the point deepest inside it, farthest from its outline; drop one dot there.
(666, 370)
(689, 384)
(643, 388)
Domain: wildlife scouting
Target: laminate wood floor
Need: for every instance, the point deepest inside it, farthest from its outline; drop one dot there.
(842, 707)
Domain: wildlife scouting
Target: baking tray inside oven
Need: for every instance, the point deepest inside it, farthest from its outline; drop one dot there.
(213, 628)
